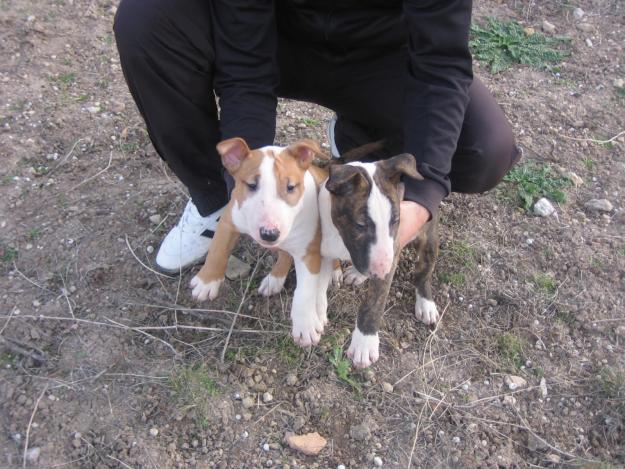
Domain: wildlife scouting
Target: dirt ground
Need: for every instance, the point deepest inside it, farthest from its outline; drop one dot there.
(105, 363)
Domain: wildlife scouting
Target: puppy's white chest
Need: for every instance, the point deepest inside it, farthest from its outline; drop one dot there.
(332, 244)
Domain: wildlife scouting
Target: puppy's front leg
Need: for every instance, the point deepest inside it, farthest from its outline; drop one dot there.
(274, 282)
(307, 327)
(326, 275)
(210, 277)
(364, 348)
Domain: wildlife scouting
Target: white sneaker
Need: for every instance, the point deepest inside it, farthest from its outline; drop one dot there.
(330, 131)
(187, 243)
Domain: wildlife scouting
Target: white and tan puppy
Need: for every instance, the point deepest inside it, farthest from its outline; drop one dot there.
(274, 201)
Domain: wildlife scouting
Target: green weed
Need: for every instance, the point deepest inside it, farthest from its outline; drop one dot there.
(192, 387)
(544, 282)
(309, 121)
(510, 351)
(535, 181)
(456, 279)
(503, 43)
(612, 383)
(342, 367)
(8, 254)
(589, 163)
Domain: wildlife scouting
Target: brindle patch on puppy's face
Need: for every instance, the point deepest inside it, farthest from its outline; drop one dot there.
(365, 209)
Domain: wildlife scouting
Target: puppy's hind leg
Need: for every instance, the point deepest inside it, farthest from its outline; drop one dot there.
(427, 249)
(274, 282)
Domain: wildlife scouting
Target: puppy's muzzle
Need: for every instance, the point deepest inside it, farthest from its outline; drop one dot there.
(269, 235)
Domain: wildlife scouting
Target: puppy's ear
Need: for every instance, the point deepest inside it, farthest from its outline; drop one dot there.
(304, 151)
(345, 179)
(400, 165)
(233, 151)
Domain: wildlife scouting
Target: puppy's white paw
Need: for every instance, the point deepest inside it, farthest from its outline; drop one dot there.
(337, 277)
(351, 276)
(307, 329)
(271, 285)
(202, 291)
(364, 349)
(425, 310)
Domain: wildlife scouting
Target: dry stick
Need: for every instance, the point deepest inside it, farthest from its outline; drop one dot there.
(121, 462)
(269, 412)
(95, 175)
(416, 435)
(234, 319)
(140, 262)
(30, 422)
(592, 140)
(32, 282)
(7, 321)
(62, 162)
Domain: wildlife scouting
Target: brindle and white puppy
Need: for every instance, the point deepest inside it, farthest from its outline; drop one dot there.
(359, 209)
(274, 201)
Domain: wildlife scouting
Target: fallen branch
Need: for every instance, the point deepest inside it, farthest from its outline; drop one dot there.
(30, 423)
(592, 140)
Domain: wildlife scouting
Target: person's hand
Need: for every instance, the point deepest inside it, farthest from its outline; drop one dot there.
(412, 217)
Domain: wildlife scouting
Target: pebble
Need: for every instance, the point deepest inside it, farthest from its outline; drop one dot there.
(509, 400)
(377, 461)
(267, 397)
(543, 387)
(529, 31)
(36, 304)
(290, 129)
(291, 379)
(456, 439)
(150, 249)
(548, 27)
(153, 431)
(248, 402)
(544, 208)
(93, 109)
(574, 178)
(553, 458)
(515, 382)
(588, 42)
(599, 205)
(619, 83)
(266, 447)
(156, 218)
(387, 387)
(236, 268)
(584, 27)
(340, 466)
(492, 302)
(578, 13)
(32, 455)
(310, 444)
(360, 432)
(76, 443)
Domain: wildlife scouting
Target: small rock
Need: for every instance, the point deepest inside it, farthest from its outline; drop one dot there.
(150, 249)
(509, 400)
(574, 178)
(578, 13)
(266, 447)
(34, 334)
(76, 443)
(619, 83)
(553, 458)
(543, 387)
(534, 443)
(298, 423)
(360, 432)
(588, 42)
(456, 439)
(118, 106)
(267, 397)
(291, 379)
(156, 218)
(340, 466)
(599, 205)
(492, 302)
(290, 129)
(548, 27)
(529, 31)
(515, 382)
(153, 431)
(387, 387)
(236, 268)
(310, 444)
(93, 109)
(544, 208)
(32, 455)
(248, 402)
(620, 331)
(377, 461)
(584, 27)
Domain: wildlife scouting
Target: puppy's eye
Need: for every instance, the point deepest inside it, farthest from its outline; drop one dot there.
(290, 187)
(360, 225)
(252, 186)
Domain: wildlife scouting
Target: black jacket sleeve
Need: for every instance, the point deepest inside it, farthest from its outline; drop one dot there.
(437, 92)
(246, 73)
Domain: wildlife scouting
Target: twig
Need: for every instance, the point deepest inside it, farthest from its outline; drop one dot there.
(30, 422)
(32, 282)
(592, 140)
(7, 321)
(140, 262)
(62, 162)
(236, 314)
(20, 348)
(95, 175)
(416, 435)
(121, 462)
(164, 342)
(269, 412)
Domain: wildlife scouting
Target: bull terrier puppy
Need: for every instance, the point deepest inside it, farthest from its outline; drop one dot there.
(359, 209)
(274, 201)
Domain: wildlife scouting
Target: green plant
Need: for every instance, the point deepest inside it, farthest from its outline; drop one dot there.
(534, 181)
(9, 254)
(612, 383)
(503, 43)
(510, 351)
(589, 163)
(309, 121)
(33, 234)
(288, 351)
(342, 367)
(544, 282)
(192, 387)
(456, 279)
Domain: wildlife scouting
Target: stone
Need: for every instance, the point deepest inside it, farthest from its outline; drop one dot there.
(32, 455)
(76, 443)
(310, 444)
(153, 431)
(509, 400)
(515, 382)
(578, 13)
(291, 379)
(599, 205)
(267, 397)
(535, 443)
(156, 218)
(585, 27)
(529, 31)
(387, 387)
(553, 458)
(574, 178)
(544, 208)
(619, 83)
(236, 268)
(377, 461)
(588, 42)
(548, 27)
(248, 402)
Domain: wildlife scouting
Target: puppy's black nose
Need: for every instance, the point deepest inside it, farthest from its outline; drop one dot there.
(269, 235)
